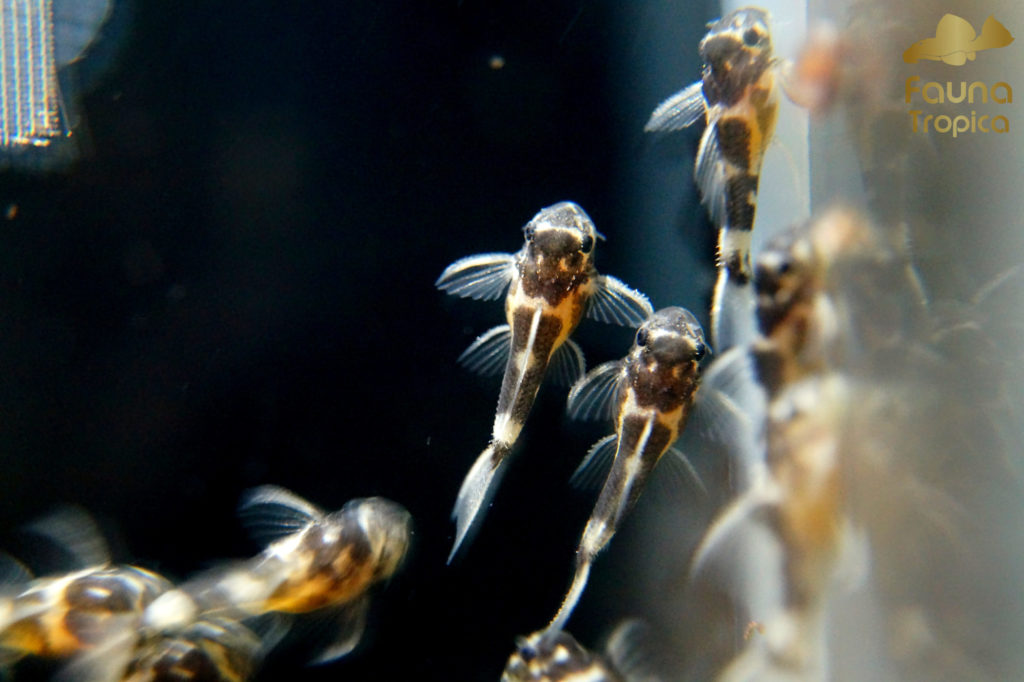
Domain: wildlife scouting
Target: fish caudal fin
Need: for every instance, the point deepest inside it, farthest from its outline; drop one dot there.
(732, 312)
(477, 489)
(572, 597)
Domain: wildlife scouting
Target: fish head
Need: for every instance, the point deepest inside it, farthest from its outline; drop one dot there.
(388, 527)
(560, 240)
(671, 337)
(738, 42)
(542, 655)
(782, 273)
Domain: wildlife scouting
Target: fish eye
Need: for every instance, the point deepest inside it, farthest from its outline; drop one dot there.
(641, 337)
(529, 231)
(751, 37)
(587, 244)
(528, 653)
(700, 351)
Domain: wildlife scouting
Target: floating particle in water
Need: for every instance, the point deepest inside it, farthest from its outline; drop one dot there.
(496, 62)
(11, 212)
(37, 39)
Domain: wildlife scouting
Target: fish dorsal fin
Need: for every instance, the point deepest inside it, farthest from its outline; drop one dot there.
(678, 111)
(484, 277)
(567, 364)
(595, 466)
(350, 623)
(615, 303)
(270, 512)
(954, 33)
(596, 395)
(709, 173)
(75, 535)
(488, 355)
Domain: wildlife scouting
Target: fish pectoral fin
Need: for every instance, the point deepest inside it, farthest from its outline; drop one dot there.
(270, 512)
(484, 277)
(350, 621)
(477, 489)
(488, 354)
(75, 535)
(567, 364)
(596, 395)
(709, 172)
(721, 419)
(595, 466)
(14, 577)
(678, 111)
(750, 508)
(615, 303)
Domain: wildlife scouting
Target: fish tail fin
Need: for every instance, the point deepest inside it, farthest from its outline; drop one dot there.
(993, 34)
(572, 597)
(732, 309)
(477, 489)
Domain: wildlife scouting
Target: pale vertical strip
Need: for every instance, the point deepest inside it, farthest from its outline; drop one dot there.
(4, 104)
(16, 68)
(783, 199)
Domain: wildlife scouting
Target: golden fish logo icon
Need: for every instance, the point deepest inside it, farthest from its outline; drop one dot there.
(956, 43)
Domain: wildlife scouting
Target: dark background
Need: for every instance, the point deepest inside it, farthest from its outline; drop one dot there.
(232, 286)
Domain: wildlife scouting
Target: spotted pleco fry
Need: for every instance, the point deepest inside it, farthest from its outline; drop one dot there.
(738, 98)
(551, 284)
(556, 656)
(320, 561)
(58, 616)
(651, 393)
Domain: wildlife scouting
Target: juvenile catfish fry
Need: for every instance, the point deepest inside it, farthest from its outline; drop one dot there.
(315, 560)
(552, 284)
(650, 392)
(555, 656)
(738, 98)
(211, 649)
(63, 615)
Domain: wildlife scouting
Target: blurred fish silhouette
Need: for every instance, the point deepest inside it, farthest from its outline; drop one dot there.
(956, 43)
(555, 656)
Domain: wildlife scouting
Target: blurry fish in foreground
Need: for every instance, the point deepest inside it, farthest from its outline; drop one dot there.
(650, 394)
(738, 98)
(555, 656)
(863, 411)
(63, 615)
(38, 38)
(315, 560)
(552, 283)
(210, 650)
